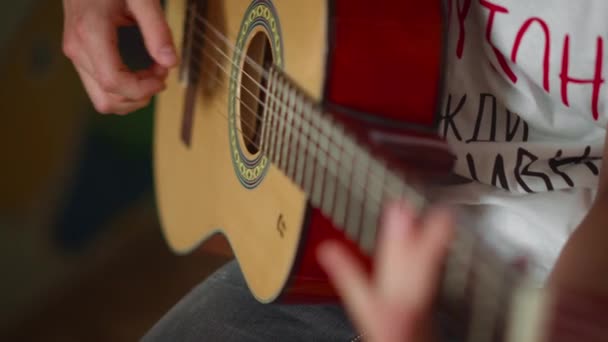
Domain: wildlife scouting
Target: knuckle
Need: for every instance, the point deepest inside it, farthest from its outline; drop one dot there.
(81, 27)
(107, 81)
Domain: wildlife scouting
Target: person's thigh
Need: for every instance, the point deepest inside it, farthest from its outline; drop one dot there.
(222, 309)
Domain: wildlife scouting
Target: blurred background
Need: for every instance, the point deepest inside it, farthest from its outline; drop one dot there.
(82, 257)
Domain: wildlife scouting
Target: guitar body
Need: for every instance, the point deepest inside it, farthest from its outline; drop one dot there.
(374, 66)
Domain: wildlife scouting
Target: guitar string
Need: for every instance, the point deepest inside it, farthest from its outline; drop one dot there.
(220, 110)
(277, 100)
(297, 138)
(229, 44)
(264, 74)
(282, 120)
(371, 202)
(373, 175)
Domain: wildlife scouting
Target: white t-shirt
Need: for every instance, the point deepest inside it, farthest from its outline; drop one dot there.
(525, 113)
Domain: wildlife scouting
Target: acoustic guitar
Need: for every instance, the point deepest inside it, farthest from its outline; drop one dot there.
(291, 122)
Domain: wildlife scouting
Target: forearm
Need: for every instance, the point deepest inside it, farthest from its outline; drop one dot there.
(583, 263)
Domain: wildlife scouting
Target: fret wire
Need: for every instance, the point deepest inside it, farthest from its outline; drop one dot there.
(263, 139)
(369, 229)
(282, 115)
(355, 203)
(319, 163)
(361, 177)
(332, 165)
(372, 209)
(288, 123)
(303, 150)
(274, 117)
(353, 216)
(297, 134)
(311, 157)
(341, 205)
(267, 120)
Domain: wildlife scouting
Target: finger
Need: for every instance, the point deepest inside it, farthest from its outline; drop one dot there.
(436, 235)
(350, 280)
(107, 67)
(155, 30)
(103, 102)
(107, 103)
(397, 238)
(160, 71)
(155, 71)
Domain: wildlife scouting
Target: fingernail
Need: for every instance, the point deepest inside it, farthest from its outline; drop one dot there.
(167, 55)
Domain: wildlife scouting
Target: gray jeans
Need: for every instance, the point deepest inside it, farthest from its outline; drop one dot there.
(222, 309)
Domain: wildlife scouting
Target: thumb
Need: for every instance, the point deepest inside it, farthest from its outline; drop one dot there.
(155, 30)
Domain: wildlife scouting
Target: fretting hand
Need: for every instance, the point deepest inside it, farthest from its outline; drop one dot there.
(90, 41)
(394, 305)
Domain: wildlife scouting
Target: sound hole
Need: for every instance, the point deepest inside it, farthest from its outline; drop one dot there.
(253, 89)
